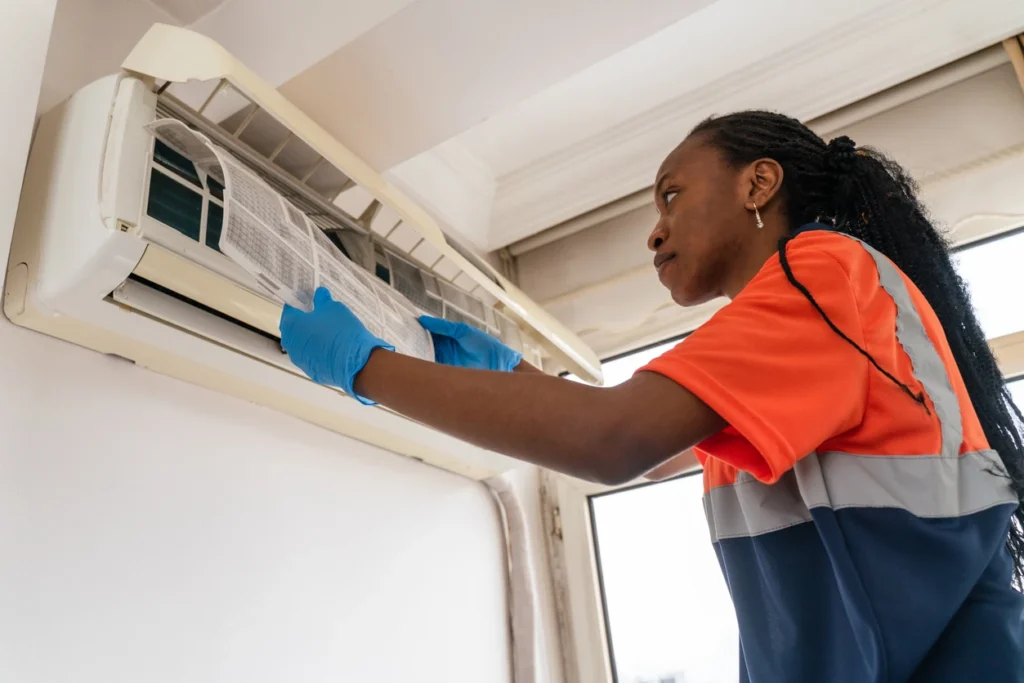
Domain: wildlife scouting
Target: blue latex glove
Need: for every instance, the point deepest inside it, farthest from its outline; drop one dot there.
(329, 344)
(465, 346)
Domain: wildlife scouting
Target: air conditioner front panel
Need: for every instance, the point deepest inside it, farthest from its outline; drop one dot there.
(147, 298)
(184, 277)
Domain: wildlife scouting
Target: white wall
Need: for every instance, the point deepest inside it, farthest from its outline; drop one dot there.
(154, 531)
(90, 39)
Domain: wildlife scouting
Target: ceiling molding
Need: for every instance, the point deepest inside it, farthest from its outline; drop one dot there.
(916, 88)
(892, 98)
(802, 81)
(601, 214)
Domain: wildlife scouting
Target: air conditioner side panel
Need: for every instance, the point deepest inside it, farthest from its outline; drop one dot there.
(72, 257)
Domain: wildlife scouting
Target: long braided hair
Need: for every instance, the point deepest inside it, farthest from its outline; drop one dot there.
(865, 194)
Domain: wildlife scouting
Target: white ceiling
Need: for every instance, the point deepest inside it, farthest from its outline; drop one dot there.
(440, 67)
(278, 40)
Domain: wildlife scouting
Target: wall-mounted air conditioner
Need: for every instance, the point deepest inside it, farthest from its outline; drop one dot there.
(118, 242)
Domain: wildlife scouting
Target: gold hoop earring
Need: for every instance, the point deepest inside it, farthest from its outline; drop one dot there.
(757, 215)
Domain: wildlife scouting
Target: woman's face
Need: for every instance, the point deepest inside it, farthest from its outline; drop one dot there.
(703, 219)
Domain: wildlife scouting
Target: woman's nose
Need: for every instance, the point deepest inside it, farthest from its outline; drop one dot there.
(657, 237)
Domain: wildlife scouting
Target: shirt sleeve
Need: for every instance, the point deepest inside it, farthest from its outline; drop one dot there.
(773, 369)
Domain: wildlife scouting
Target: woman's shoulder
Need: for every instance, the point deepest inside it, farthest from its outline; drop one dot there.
(833, 257)
(814, 258)
(837, 245)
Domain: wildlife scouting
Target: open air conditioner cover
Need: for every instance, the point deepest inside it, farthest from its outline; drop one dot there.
(218, 94)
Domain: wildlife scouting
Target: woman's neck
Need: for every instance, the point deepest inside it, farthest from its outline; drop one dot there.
(761, 247)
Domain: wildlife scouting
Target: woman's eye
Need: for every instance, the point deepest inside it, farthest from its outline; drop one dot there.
(669, 196)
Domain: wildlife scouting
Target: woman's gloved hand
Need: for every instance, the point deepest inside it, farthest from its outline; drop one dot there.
(465, 346)
(329, 343)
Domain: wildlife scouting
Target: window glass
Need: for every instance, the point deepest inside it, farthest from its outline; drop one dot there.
(1017, 391)
(618, 370)
(670, 617)
(995, 278)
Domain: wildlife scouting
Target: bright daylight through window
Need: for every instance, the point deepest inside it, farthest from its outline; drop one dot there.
(994, 275)
(670, 618)
(1017, 392)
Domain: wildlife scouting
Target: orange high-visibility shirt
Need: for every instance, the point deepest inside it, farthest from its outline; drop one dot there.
(861, 532)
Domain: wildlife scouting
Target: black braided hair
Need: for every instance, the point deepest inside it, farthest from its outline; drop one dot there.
(863, 193)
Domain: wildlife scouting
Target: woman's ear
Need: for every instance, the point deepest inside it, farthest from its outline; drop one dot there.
(764, 178)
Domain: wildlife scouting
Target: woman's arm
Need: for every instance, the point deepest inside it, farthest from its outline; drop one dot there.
(607, 435)
(682, 463)
(526, 367)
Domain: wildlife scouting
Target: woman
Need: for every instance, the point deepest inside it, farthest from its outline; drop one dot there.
(863, 463)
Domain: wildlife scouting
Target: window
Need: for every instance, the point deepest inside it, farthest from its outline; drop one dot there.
(992, 271)
(668, 609)
(620, 368)
(1016, 387)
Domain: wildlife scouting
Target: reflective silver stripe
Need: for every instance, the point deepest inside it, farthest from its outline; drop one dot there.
(931, 486)
(928, 367)
(750, 508)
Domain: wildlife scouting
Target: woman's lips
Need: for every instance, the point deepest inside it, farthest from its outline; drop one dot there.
(661, 261)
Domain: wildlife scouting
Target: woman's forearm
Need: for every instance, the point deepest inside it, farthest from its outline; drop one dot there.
(607, 435)
(526, 367)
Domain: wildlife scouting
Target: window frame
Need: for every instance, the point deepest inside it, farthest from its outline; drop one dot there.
(581, 609)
